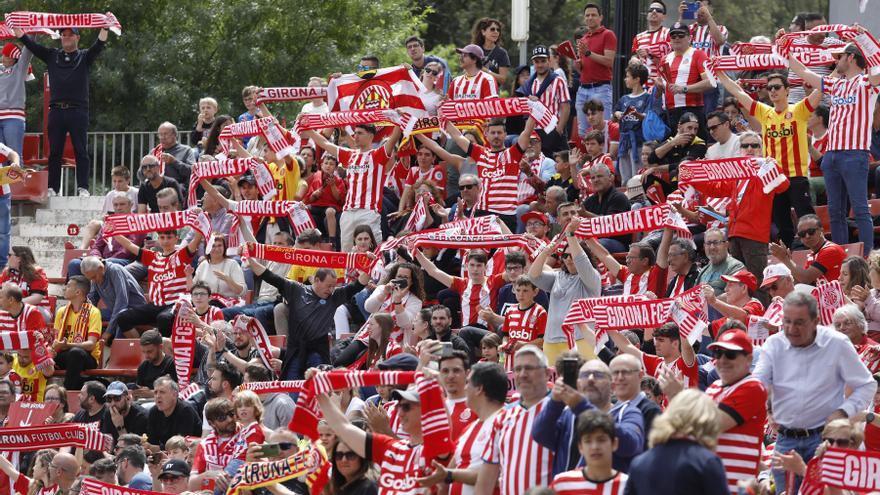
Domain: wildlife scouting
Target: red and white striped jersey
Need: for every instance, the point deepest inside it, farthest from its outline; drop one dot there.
(852, 112)
(12, 113)
(499, 173)
(523, 325)
(460, 416)
(556, 93)
(644, 40)
(701, 39)
(653, 280)
(399, 465)
(469, 450)
(683, 70)
(166, 279)
(211, 315)
(688, 374)
(436, 174)
(364, 177)
(523, 462)
(28, 320)
(740, 447)
(394, 419)
(38, 285)
(575, 482)
(477, 87)
(821, 145)
(472, 297)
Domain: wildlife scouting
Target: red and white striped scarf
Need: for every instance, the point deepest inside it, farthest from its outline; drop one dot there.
(420, 212)
(871, 50)
(785, 42)
(183, 341)
(228, 167)
(310, 257)
(812, 483)
(761, 327)
(479, 225)
(315, 121)
(144, 223)
(436, 430)
(157, 152)
(91, 486)
(6, 32)
(254, 328)
(654, 313)
(444, 239)
(280, 141)
(726, 169)
(455, 110)
(689, 312)
(290, 94)
(17, 341)
(296, 211)
(33, 438)
(28, 21)
(274, 387)
(830, 296)
(581, 313)
(641, 220)
(851, 469)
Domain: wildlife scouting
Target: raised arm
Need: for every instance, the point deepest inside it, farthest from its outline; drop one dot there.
(440, 152)
(353, 436)
(663, 249)
(127, 244)
(459, 139)
(523, 139)
(321, 141)
(624, 345)
(536, 269)
(810, 77)
(432, 270)
(392, 140)
(733, 88)
(604, 256)
(728, 310)
(210, 190)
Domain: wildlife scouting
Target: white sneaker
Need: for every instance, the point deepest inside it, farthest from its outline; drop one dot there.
(51, 192)
(83, 192)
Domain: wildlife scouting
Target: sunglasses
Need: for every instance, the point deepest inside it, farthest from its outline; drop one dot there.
(285, 445)
(566, 256)
(754, 146)
(350, 455)
(494, 29)
(656, 10)
(808, 232)
(839, 442)
(467, 186)
(774, 87)
(405, 406)
(713, 127)
(677, 36)
(727, 354)
(432, 72)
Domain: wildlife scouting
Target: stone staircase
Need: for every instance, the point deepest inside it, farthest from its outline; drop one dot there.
(45, 228)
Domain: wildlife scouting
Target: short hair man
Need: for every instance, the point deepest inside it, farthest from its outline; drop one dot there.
(78, 333)
(152, 183)
(170, 416)
(726, 142)
(177, 158)
(720, 261)
(130, 462)
(156, 363)
(824, 259)
(91, 403)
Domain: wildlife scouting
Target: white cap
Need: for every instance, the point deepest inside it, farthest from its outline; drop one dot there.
(774, 272)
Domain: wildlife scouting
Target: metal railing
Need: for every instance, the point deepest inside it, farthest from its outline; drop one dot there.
(109, 149)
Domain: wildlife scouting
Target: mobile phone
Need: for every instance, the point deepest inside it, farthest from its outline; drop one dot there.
(691, 11)
(713, 214)
(446, 349)
(570, 372)
(271, 449)
(400, 283)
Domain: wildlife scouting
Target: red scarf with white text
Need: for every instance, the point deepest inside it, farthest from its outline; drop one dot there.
(274, 387)
(230, 167)
(310, 257)
(497, 107)
(290, 94)
(708, 171)
(33, 438)
(628, 222)
(183, 341)
(17, 341)
(145, 223)
(28, 21)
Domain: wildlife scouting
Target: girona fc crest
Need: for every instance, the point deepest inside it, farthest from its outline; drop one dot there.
(372, 95)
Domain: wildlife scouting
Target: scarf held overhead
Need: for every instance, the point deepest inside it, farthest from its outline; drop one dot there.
(229, 167)
(726, 169)
(290, 94)
(144, 223)
(628, 222)
(310, 257)
(28, 21)
(497, 107)
(255, 329)
(275, 386)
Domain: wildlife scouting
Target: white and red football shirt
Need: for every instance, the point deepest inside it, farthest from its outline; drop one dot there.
(472, 297)
(820, 144)
(852, 112)
(211, 315)
(499, 174)
(827, 260)
(478, 87)
(399, 465)
(556, 93)
(523, 462)
(688, 374)
(575, 482)
(653, 280)
(683, 70)
(436, 174)
(364, 177)
(701, 39)
(644, 40)
(469, 450)
(39, 285)
(740, 447)
(166, 279)
(460, 416)
(214, 453)
(394, 419)
(28, 320)
(523, 325)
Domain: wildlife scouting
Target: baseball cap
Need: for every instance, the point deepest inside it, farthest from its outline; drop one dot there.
(248, 178)
(774, 272)
(688, 117)
(634, 187)
(403, 362)
(411, 394)
(175, 467)
(11, 50)
(540, 51)
(849, 49)
(679, 28)
(733, 340)
(743, 277)
(535, 135)
(474, 50)
(116, 389)
(534, 215)
(72, 29)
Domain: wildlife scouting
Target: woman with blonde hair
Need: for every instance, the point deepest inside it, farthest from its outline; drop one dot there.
(868, 298)
(838, 433)
(681, 458)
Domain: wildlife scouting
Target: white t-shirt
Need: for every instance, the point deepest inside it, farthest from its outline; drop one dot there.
(729, 149)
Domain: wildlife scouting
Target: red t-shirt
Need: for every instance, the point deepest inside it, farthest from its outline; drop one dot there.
(399, 465)
(872, 433)
(364, 176)
(653, 280)
(599, 41)
(688, 374)
(747, 211)
(460, 416)
(820, 145)
(326, 198)
(827, 260)
(437, 175)
(753, 307)
(523, 325)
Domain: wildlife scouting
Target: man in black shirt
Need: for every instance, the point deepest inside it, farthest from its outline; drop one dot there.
(171, 416)
(68, 69)
(91, 403)
(685, 145)
(607, 200)
(123, 415)
(154, 182)
(156, 363)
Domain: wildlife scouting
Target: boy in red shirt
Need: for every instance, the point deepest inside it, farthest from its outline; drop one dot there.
(525, 323)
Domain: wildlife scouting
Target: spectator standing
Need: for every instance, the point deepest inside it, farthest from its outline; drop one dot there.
(474, 83)
(817, 126)
(596, 51)
(550, 88)
(69, 70)
(208, 109)
(415, 48)
(684, 76)
(720, 261)
(325, 195)
(252, 111)
(656, 34)
(811, 20)
(845, 164)
(630, 111)
(486, 34)
(709, 37)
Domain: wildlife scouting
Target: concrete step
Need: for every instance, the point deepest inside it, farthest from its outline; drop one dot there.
(44, 230)
(92, 203)
(66, 217)
(44, 244)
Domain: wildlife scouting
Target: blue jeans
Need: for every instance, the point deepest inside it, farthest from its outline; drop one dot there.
(12, 135)
(846, 175)
(262, 311)
(806, 447)
(360, 298)
(710, 100)
(601, 93)
(73, 266)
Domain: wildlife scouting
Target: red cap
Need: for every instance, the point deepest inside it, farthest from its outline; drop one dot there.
(535, 135)
(11, 50)
(743, 277)
(733, 340)
(537, 215)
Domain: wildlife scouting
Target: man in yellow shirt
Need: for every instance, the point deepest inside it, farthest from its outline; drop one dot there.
(78, 330)
(784, 130)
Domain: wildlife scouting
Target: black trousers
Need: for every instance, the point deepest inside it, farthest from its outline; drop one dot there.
(798, 197)
(148, 314)
(75, 361)
(73, 121)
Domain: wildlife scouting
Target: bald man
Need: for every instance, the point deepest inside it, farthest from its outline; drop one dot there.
(626, 380)
(63, 471)
(554, 425)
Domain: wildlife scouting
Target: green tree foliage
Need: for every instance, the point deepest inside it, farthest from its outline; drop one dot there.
(171, 53)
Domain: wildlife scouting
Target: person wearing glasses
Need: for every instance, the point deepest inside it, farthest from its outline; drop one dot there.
(656, 34)
(554, 425)
(784, 130)
(840, 433)
(487, 34)
(349, 472)
(726, 141)
(686, 79)
(720, 261)
(123, 414)
(824, 259)
(737, 303)
(153, 182)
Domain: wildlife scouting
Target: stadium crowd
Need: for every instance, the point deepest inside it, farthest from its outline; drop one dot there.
(673, 292)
